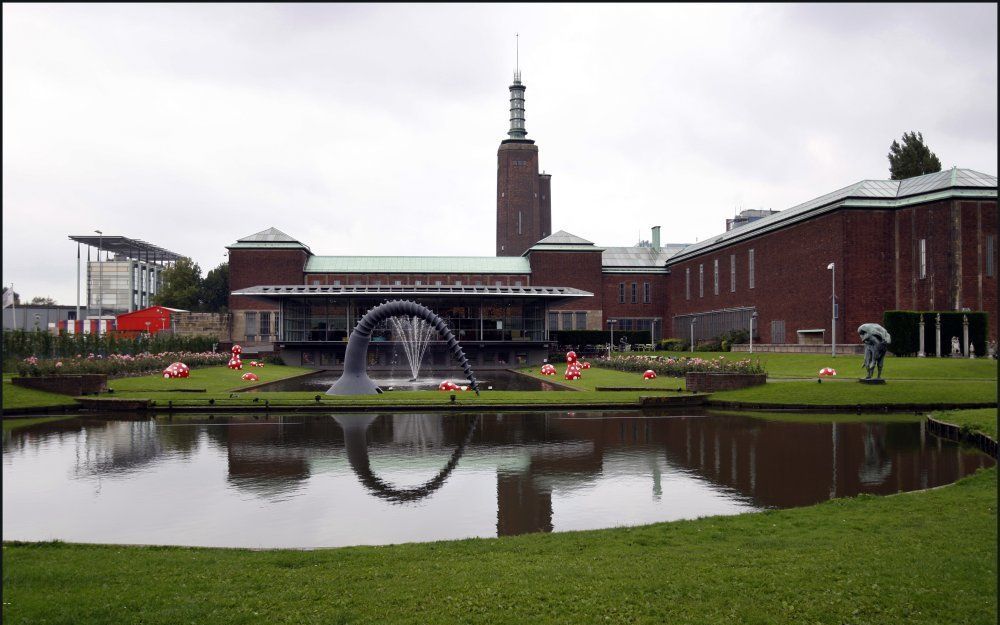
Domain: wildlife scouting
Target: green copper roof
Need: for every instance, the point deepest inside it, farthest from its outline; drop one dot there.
(417, 264)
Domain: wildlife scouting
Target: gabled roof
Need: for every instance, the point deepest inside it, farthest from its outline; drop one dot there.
(270, 238)
(563, 241)
(883, 194)
(418, 264)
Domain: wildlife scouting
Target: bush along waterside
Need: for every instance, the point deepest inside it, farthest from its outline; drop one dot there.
(665, 365)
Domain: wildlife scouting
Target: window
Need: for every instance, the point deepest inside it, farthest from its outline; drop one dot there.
(398, 283)
(715, 275)
(265, 323)
(645, 292)
(732, 273)
(687, 283)
(519, 222)
(553, 321)
(437, 283)
(250, 324)
(923, 258)
(701, 280)
(458, 283)
(750, 282)
(567, 321)
(417, 282)
(517, 283)
(989, 256)
(581, 321)
(336, 283)
(635, 292)
(621, 292)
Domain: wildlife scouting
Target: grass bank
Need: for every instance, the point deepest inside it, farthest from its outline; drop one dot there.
(851, 393)
(982, 420)
(17, 398)
(909, 368)
(927, 557)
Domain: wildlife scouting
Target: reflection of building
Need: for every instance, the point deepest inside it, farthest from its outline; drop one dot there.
(926, 243)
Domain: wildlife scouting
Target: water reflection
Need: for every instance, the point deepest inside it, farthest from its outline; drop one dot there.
(321, 480)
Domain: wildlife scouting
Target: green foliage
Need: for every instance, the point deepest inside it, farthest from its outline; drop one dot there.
(670, 345)
(20, 344)
(904, 327)
(42, 301)
(182, 286)
(670, 366)
(215, 290)
(912, 158)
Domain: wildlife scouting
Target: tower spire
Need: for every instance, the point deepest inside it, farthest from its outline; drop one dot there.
(517, 130)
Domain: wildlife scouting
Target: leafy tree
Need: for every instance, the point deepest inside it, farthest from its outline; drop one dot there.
(181, 286)
(42, 301)
(913, 158)
(215, 289)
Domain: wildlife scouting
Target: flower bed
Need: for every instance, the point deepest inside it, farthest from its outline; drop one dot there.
(117, 365)
(677, 367)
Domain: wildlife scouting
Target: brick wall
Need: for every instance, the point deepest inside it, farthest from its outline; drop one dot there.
(73, 385)
(252, 267)
(711, 382)
(580, 270)
(215, 325)
(518, 190)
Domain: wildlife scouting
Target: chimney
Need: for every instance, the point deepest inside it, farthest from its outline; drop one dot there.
(656, 238)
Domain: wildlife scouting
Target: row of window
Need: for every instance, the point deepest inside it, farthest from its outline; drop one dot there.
(990, 253)
(647, 293)
(568, 320)
(715, 276)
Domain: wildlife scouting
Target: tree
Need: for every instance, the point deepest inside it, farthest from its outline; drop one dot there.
(215, 289)
(913, 158)
(181, 286)
(42, 301)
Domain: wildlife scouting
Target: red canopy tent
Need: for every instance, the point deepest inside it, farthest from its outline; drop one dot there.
(153, 319)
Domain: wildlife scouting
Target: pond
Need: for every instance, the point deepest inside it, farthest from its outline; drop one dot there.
(494, 380)
(316, 480)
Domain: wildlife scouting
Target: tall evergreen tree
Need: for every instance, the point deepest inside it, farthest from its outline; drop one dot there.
(215, 289)
(913, 158)
(181, 286)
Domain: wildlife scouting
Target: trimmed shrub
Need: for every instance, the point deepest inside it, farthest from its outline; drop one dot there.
(904, 327)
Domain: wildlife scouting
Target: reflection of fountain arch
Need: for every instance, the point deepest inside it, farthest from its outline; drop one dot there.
(356, 443)
(355, 380)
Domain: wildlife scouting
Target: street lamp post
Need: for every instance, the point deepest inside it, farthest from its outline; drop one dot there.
(100, 282)
(833, 310)
(694, 320)
(753, 318)
(611, 345)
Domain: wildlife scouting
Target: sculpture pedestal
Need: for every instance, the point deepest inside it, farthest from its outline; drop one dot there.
(872, 381)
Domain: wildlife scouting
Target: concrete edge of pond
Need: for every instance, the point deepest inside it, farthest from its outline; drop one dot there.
(741, 405)
(956, 433)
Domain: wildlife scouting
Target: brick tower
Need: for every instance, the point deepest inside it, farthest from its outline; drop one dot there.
(524, 201)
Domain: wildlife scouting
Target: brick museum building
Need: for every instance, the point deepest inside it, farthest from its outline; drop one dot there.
(925, 243)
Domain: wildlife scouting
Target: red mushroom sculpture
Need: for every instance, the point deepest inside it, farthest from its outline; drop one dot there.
(251, 377)
(649, 375)
(177, 370)
(585, 365)
(237, 350)
(572, 373)
(548, 369)
(570, 358)
(235, 363)
(827, 371)
(447, 385)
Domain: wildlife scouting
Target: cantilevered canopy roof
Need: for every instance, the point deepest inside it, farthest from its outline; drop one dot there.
(426, 290)
(128, 248)
(884, 194)
(418, 264)
(269, 239)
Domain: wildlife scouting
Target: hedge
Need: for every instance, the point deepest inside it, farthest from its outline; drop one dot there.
(904, 327)
(20, 344)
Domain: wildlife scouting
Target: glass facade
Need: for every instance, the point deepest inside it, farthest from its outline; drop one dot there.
(328, 319)
(118, 286)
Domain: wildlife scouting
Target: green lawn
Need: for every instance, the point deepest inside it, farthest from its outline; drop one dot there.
(210, 379)
(808, 365)
(607, 378)
(917, 558)
(16, 397)
(849, 393)
(13, 424)
(982, 419)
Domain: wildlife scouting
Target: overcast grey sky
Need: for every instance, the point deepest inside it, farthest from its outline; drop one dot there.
(373, 129)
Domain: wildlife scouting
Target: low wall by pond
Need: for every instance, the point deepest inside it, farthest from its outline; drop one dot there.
(956, 433)
(701, 382)
(73, 385)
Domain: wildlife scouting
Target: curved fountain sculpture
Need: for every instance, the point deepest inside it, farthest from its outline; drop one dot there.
(355, 380)
(355, 429)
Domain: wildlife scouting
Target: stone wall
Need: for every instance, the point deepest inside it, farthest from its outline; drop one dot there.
(215, 325)
(710, 382)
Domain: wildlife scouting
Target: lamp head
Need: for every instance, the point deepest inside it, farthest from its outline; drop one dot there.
(830, 266)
